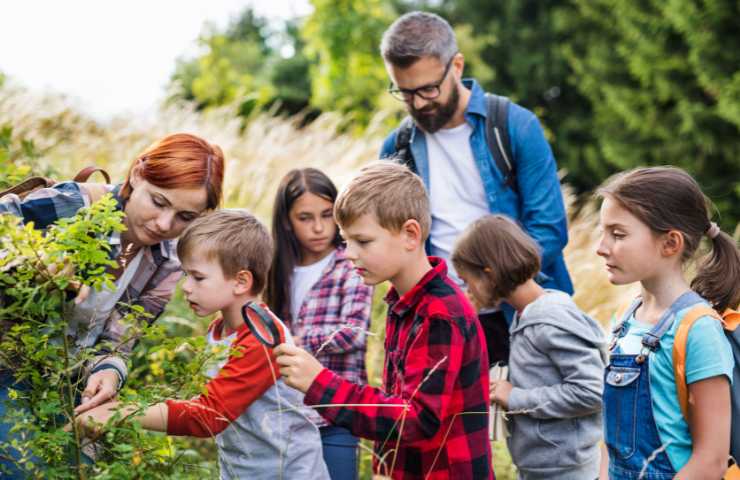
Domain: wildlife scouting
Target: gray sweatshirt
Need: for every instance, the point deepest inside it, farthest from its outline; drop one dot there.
(556, 366)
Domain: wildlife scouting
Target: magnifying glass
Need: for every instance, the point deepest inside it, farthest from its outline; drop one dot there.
(261, 323)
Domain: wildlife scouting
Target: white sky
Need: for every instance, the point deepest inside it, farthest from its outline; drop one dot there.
(112, 57)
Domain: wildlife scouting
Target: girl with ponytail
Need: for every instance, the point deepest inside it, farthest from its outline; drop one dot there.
(653, 222)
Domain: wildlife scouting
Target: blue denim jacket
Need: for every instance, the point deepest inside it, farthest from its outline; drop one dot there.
(538, 204)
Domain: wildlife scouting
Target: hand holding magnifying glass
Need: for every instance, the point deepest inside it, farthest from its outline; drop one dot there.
(297, 367)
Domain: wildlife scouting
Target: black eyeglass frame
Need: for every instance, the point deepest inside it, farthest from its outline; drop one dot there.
(407, 94)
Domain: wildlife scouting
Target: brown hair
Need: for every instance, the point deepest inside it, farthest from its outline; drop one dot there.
(287, 250)
(496, 249)
(390, 192)
(181, 160)
(235, 238)
(668, 198)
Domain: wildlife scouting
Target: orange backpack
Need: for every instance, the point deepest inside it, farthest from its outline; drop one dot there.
(730, 320)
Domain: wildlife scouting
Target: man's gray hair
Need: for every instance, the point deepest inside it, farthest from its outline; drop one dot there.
(416, 35)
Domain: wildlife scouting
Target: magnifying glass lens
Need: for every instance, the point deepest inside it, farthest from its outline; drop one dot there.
(261, 324)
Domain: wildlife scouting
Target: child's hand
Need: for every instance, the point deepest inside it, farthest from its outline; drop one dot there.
(500, 391)
(92, 421)
(298, 367)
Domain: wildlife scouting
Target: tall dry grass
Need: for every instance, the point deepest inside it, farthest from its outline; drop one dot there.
(257, 158)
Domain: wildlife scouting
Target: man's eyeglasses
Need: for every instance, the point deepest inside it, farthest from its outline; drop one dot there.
(427, 92)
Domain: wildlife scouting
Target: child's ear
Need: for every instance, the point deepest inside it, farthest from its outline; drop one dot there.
(673, 243)
(244, 282)
(411, 230)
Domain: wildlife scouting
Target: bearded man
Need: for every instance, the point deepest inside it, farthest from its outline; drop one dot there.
(477, 154)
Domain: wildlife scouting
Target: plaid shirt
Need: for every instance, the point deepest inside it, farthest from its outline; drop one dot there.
(151, 285)
(430, 421)
(335, 315)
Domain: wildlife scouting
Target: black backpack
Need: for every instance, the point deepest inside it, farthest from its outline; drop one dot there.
(497, 137)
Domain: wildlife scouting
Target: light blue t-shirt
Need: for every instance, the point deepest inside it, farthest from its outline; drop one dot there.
(708, 354)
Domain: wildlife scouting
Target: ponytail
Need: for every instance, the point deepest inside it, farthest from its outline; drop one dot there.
(718, 276)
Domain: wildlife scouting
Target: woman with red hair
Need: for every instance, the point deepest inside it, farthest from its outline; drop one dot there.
(169, 185)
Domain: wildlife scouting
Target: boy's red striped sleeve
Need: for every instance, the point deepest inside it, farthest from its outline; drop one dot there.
(243, 379)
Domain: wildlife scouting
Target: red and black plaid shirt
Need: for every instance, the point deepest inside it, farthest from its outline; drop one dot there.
(430, 421)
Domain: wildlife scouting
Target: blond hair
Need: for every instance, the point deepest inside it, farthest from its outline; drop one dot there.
(390, 192)
(234, 238)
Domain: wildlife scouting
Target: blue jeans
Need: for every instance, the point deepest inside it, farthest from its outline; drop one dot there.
(8, 468)
(340, 452)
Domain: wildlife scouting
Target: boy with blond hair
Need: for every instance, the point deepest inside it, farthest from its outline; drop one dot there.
(430, 418)
(256, 420)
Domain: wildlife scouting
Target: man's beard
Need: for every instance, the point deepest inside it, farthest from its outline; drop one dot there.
(441, 113)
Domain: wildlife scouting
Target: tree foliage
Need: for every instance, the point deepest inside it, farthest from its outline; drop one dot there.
(616, 83)
(40, 272)
(664, 87)
(245, 64)
(343, 38)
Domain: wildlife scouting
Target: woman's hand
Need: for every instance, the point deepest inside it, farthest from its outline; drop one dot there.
(101, 387)
(66, 269)
(500, 391)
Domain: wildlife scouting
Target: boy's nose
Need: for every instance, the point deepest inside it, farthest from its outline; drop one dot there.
(349, 252)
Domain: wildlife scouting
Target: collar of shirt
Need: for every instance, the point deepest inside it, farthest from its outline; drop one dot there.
(400, 306)
(477, 103)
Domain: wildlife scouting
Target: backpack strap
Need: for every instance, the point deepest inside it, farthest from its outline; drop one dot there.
(497, 137)
(403, 144)
(619, 319)
(84, 174)
(730, 319)
(34, 183)
(679, 353)
(28, 185)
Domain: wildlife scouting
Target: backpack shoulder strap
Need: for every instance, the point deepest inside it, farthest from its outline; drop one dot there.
(679, 353)
(730, 320)
(497, 137)
(34, 183)
(27, 186)
(403, 144)
(84, 174)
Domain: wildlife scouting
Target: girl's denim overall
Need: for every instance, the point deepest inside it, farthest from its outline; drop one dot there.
(635, 449)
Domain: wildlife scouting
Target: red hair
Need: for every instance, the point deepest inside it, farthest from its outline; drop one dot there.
(181, 160)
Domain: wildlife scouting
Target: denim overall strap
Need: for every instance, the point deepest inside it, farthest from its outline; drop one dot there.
(620, 330)
(632, 438)
(651, 340)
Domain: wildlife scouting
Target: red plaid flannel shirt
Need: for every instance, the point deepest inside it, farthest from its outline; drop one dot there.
(430, 421)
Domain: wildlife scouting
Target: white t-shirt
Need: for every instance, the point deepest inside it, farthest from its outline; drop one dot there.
(305, 277)
(457, 196)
